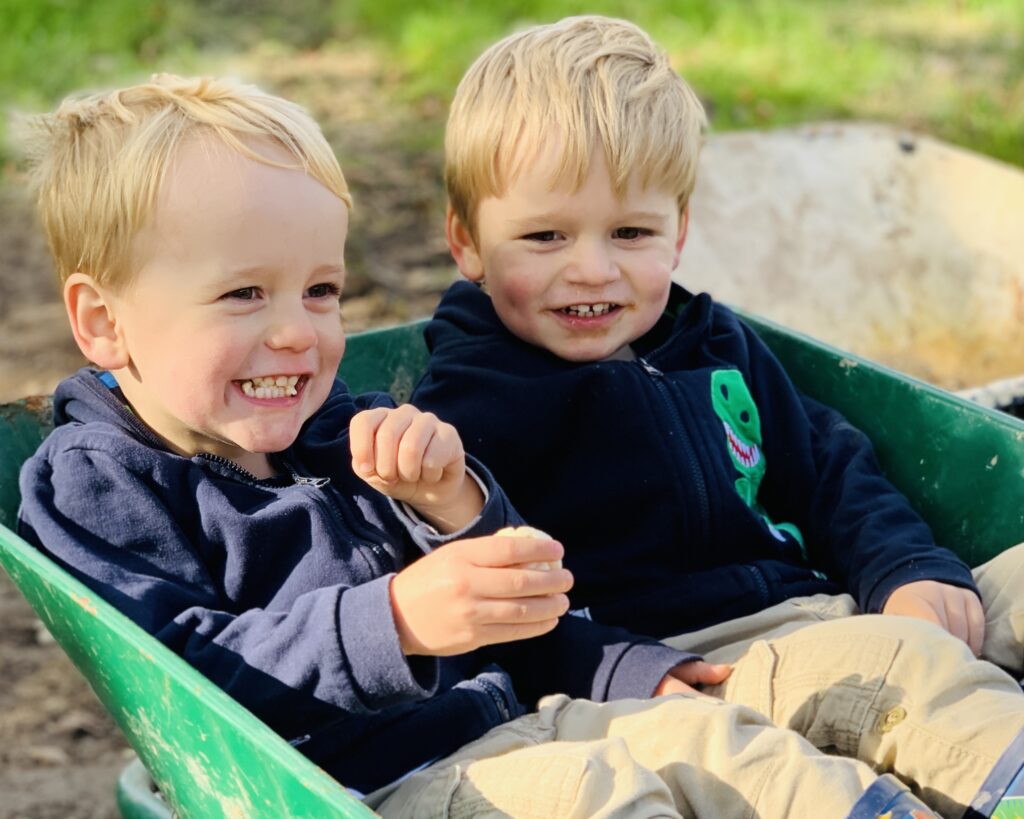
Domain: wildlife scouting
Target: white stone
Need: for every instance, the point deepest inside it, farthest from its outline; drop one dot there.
(896, 247)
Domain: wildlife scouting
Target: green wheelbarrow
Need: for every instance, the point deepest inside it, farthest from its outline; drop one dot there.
(201, 754)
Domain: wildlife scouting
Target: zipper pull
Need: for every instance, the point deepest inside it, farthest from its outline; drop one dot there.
(316, 483)
(650, 369)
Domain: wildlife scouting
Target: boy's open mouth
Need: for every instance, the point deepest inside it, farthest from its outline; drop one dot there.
(273, 386)
(590, 310)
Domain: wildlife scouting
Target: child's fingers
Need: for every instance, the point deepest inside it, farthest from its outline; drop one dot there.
(362, 439)
(387, 439)
(513, 583)
(699, 672)
(413, 448)
(443, 450)
(522, 610)
(711, 673)
(508, 550)
(976, 625)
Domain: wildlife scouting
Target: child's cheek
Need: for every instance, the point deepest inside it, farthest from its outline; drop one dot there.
(519, 287)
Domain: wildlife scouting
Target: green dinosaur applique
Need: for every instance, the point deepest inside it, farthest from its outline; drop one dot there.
(735, 408)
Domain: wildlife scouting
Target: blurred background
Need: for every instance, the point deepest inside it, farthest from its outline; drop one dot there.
(378, 75)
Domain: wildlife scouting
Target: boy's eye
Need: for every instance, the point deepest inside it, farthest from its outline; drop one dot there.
(241, 294)
(631, 233)
(324, 290)
(541, 236)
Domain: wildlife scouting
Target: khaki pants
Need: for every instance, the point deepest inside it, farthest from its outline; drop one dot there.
(897, 693)
(674, 756)
(818, 701)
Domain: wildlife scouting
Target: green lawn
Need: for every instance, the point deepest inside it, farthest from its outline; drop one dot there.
(950, 68)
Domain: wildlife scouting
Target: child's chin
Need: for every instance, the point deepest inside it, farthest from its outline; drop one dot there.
(268, 441)
(582, 353)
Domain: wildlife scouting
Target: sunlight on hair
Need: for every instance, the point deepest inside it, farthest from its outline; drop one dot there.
(99, 160)
(591, 83)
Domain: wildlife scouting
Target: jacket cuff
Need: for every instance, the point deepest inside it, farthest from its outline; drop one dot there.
(941, 571)
(641, 667)
(496, 513)
(382, 675)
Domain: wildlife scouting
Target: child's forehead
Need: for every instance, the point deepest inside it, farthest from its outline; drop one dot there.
(553, 166)
(218, 204)
(205, 166)
(205, 150)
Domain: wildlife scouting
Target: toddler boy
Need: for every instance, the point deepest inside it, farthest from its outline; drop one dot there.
(324, 558)
(698, 495)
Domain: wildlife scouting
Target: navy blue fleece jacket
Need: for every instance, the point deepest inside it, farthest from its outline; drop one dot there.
(690, 485)
(277, 589)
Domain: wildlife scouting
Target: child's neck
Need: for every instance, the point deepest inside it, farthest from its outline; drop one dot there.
(258, 463)
(624, 353)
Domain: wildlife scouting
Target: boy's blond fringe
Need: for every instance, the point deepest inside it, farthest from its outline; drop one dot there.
(591, 83)
(98, 162)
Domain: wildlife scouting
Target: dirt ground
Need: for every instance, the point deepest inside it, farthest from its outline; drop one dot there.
(60, 754)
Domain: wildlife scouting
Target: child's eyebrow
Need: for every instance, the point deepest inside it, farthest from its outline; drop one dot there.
(540, 221)
(329, 269)
(235, 274)
(646, 216)
(545, 221)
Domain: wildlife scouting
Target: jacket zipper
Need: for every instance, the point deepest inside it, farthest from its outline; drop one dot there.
(657, 378)
(497, 696)
(219, 459)
(762, 584)
(342, 523)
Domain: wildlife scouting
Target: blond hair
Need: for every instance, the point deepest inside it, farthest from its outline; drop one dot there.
(589, 81)
(99, 160)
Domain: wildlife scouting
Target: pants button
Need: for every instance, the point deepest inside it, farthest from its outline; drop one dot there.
(891, 718)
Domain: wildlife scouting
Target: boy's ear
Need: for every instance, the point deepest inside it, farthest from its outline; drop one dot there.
(462, 247)
(684, 224)
(93, 323)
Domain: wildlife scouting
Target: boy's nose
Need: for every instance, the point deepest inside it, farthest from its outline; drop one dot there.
(292, 329)
(592, 265)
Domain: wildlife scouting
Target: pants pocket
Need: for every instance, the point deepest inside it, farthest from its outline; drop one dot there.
(820, 682)
(533, 783)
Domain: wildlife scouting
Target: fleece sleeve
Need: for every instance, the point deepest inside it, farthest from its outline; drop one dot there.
(823, 475)
(587, 660)
(121, 540)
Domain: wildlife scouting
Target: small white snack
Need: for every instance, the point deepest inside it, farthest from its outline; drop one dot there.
(530, 531)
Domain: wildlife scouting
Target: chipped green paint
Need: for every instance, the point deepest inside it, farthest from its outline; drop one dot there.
(212, 758)
(86, 603)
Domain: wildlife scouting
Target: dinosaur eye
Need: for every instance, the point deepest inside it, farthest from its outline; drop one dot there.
(745, 417)
(725, 392)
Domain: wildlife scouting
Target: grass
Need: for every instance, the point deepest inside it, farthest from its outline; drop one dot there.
(950, 68)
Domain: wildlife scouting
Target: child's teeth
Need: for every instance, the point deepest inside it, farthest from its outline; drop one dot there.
(589, 309)
(271, 386)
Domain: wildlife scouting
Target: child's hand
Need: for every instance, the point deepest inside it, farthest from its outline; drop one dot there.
(412, 456)
(957, 610)
(472, 593)
(682, 678)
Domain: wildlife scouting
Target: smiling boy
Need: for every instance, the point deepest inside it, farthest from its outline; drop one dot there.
(327, 559)
(523, 258)
(699, 496)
